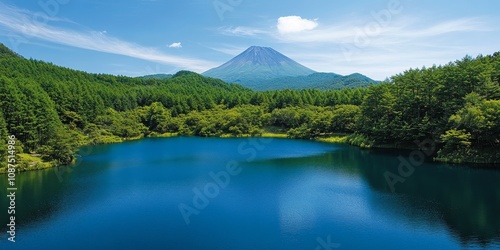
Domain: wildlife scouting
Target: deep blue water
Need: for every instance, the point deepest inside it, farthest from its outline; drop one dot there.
(209, 193)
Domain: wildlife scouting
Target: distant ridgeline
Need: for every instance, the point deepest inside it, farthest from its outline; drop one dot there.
(53, 110)
(261, 68)
(157, 76)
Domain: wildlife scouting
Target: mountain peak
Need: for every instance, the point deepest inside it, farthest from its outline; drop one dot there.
(265, 56)
(258, 47)
(256, 64)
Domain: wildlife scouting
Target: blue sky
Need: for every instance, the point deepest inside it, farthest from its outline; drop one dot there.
(139, 37)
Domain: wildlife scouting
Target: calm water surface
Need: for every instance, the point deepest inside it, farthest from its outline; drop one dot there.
(208, 193)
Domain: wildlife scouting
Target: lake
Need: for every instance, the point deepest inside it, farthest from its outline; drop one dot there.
(250, 193)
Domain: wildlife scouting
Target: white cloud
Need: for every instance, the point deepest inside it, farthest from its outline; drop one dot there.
(294, 24)
(19, 21)
(175, 45)
(241, 31)
(384, 35)
(450, 26)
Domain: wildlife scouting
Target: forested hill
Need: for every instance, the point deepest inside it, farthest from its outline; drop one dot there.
(321, 81)
(46, 106)
(156, 76)
(456, 106)
(52, 110)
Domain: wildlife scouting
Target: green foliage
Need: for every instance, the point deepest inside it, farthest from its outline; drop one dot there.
(157, 76)
(321, 81)
(345, 118)
(238, 121)
(60, 148)
(302, 132)
(3, 140)
(378, 113)
(437, 103)
(456, 139)
(124, 124)
(477, 129)
(98, 135)
(155, 117)
(360, 140)
(73, 119)
(291, 117)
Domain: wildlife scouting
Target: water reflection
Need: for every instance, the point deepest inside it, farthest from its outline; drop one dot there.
(465, 199)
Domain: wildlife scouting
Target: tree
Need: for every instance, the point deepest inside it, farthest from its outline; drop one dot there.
(3, 139)
(61, 148)
(457, 145)
(345, 118)
(156, 118)
(480, 117)
(125, 124)
(45, 119)
(20, 119)
(302, 132)
(378, 114)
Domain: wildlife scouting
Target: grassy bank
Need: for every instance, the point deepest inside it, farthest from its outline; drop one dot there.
(28, 162)
(340, 138)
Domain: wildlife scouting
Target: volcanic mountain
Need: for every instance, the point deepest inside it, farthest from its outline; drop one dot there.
(262, 68)
(256, 64)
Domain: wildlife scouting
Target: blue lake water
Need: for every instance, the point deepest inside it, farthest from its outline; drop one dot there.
(212, 193)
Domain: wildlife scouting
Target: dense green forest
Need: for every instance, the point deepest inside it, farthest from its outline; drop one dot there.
(53, 110)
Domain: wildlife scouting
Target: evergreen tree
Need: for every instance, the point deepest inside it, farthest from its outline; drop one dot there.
(3, 140)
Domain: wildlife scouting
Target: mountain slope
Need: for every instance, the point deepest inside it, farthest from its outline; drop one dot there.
(321, 81)
(257, 64)
(261, 68)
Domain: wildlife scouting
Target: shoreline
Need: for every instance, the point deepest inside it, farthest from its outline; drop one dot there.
(31, 162)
